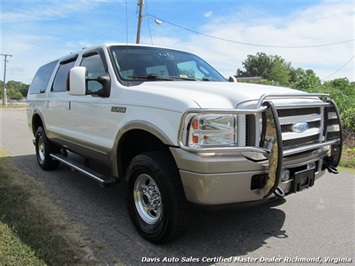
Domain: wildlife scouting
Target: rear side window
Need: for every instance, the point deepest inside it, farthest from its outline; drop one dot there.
(60, 80)
(41, 79)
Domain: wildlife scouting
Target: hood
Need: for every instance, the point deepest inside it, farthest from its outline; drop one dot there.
(205, 94)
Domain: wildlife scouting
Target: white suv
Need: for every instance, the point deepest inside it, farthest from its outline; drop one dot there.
(177, 132)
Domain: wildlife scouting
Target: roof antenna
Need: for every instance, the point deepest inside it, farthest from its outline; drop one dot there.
(126, 24)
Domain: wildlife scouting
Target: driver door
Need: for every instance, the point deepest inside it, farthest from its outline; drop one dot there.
(91, 114)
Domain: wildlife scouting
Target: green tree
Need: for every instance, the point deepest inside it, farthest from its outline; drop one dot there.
(258, 65)
(13, 94)
(348, 118)
(304, 79)
(276, 71)
(343, 92)
(272, 68)
(15, 90)
(1, 88)
(17, 86)
(279, 71)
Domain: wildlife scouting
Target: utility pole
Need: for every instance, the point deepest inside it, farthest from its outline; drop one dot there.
(140, 17)
(4, 102)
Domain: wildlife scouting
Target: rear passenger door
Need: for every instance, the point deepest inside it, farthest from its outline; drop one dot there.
(58, 103)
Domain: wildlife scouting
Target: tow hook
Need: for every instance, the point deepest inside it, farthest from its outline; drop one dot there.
(332, 169)
(279, 192)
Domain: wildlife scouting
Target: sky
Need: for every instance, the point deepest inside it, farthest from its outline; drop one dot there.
(310, 34)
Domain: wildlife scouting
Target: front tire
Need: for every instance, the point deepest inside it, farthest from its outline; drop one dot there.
(43, 150)
(155, 197)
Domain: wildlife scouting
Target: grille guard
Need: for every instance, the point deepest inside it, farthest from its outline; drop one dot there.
(271, 138)
(336, 137)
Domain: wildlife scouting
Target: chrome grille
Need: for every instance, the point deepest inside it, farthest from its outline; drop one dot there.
(313, 116)
(300, 141)
(250, 130)
(298, 112)
(288, 128)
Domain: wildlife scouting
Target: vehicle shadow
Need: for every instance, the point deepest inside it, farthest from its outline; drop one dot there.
(233, 232)
(112, 237)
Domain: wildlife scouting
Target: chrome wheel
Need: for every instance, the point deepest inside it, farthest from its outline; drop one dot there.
(155, 198)
(147, 199)
(41, 149)
(44, 148)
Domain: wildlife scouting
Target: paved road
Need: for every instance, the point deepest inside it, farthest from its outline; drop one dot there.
(316, 223)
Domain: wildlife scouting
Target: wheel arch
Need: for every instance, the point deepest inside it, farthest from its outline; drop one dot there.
(137, 138)
(37, 121)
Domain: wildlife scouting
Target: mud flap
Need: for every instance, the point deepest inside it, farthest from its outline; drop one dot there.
(272, 141)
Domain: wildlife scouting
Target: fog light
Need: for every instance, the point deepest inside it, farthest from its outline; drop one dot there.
(285, 175)
(311, 166)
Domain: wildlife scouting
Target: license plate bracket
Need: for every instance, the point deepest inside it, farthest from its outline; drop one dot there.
(303, 179)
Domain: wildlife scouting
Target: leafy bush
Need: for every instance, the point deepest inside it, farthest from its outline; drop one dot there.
(348, 118)
(274, 70)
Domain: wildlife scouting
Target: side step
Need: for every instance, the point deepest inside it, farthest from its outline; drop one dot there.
(102, 179)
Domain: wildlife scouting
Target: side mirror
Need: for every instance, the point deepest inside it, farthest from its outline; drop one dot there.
(80, 85)
(105, 81)
(232, 79)
(77, 81)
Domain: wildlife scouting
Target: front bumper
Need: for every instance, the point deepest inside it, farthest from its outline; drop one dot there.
(216, 176)
(216, 179)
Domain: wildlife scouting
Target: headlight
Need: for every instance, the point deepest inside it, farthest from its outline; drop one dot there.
(208, 130)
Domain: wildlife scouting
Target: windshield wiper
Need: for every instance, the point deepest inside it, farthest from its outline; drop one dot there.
(182, 78)
(150, 77)
(155, 77)
(191, 79)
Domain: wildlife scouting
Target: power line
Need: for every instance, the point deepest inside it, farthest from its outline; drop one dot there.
(114, 26)
(340, 68)
(150, 31)
(253, 44)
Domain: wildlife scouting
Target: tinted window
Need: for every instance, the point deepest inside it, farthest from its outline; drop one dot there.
(135, 63)
(60, 80)
(95, 68)
(41, 79)
(190, 69)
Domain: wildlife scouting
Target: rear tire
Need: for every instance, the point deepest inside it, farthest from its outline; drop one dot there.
(43, 150)
(155, 197)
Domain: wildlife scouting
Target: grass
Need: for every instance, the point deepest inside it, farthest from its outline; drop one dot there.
(33, 231)
(348, 157)
(13, 251)
(14, 105)
(346, 169)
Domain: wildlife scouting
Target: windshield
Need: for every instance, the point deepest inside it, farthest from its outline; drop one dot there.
(136, 63)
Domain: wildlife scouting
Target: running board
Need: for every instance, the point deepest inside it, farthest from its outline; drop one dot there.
(102, 179)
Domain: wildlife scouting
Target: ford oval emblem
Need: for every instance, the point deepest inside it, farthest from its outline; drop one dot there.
(300, 127)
